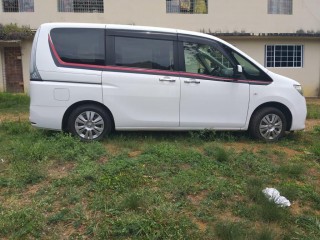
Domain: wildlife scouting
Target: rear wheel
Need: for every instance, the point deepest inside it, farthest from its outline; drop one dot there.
(89, 122)
(268, 124)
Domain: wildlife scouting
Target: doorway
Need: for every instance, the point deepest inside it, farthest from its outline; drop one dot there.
(13, 69)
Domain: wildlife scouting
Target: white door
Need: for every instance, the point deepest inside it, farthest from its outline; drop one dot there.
(141, 89)
(211, 97)
(142, 100)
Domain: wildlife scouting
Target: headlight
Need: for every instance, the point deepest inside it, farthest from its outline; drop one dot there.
(299, 89)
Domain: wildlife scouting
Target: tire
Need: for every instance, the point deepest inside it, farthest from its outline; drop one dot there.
(268, 124)
(89, 122)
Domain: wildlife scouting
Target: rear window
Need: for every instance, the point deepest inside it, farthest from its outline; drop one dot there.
(79, 45)
(144, 53)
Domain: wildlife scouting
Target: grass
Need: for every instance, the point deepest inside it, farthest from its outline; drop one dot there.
(145, 185)
(313, 111)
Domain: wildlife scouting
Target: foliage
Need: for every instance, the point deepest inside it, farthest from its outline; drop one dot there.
(14, 32)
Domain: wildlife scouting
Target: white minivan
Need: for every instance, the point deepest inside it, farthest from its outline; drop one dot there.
(89, 79)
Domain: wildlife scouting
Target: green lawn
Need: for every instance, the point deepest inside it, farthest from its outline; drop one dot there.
(145, 185)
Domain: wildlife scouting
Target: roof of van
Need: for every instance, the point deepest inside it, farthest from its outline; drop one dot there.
(129, 27)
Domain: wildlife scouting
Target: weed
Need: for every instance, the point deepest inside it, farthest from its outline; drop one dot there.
(254, 189)
(231, 231)
(15, 102)
(21, 224)
(265, 234)
(121, 176)
(291, 191)
(313, 111)
(218, 152)
(292, 170)
(270, 212)
(315, 149)
(203, 135)
(15, 127)
(310, 224)
(61, 216)
(24, 172)
(133, 201)
(316, 129)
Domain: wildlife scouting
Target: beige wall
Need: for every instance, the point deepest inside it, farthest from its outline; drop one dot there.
(223, 16)
(308, 75)
(1, 71)
(26, 52)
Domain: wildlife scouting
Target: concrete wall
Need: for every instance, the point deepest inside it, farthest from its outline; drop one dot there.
(26, 52)
(308, 75)
(1, 71)
(223, 15)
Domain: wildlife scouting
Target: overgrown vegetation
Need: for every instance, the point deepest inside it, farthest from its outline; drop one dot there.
(14, 32)
(144, 185)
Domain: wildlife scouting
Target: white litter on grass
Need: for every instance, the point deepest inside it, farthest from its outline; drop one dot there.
(274, 195)
(2, 161)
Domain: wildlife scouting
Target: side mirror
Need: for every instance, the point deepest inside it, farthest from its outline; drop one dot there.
(237, 71)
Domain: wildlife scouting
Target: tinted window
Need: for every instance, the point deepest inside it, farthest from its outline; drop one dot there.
(205, 59)
(79, 45)
(144, 53)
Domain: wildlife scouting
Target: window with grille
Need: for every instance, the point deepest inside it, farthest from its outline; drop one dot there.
(284, 56)
(18, 5)
(280, 7)
(187, 6)
(92, 6)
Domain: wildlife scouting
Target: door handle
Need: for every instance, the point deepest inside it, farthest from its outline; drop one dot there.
(166, 79)
(191, 80)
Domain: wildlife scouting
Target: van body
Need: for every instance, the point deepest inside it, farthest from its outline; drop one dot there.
(89, 79)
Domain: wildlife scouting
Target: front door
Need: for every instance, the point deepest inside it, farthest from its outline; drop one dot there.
(13, 69)
(211, 96)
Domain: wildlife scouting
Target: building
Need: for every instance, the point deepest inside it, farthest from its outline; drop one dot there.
(283, 35)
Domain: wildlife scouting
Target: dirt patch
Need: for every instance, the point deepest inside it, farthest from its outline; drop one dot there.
(229, 217)
(103, 160)
(112, 149)
(297, 208)
(315, 101)
(196, 199)
(14, 117)
(134, 154)
(239, 147)
(58, 171)
(311, 123)
(201, 225)
(185, 166)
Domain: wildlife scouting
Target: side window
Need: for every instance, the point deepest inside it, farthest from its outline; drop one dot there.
(249, 69)
(144, 53)
(205, 59)
(79, 45)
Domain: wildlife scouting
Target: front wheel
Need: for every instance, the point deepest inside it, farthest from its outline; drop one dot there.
(89, 122)
(268, 124)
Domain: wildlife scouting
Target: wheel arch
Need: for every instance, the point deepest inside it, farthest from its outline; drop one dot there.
(76, 105)
(283, 108)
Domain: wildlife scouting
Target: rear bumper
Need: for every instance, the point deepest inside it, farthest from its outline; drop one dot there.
(47, 117)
